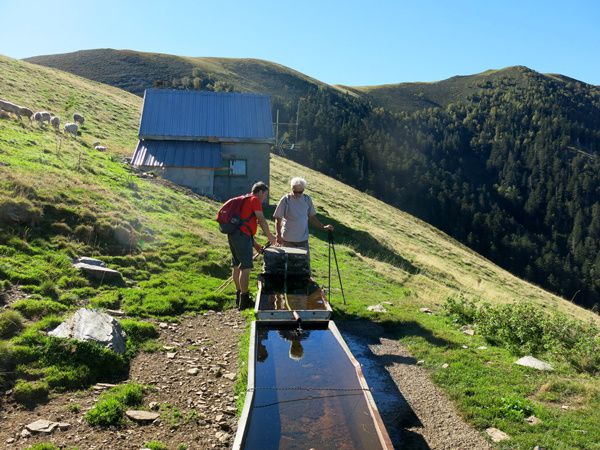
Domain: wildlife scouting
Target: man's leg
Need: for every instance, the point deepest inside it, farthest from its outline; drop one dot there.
(235, 274)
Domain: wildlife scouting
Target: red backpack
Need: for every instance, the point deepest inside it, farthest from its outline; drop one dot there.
(229, 215)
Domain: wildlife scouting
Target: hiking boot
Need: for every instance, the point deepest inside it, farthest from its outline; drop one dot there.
(245, 301)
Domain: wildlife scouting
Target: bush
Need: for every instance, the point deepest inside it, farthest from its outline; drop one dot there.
(30, 393)
(515, 408)
(460, 310)
(11, 323)
(32, 308)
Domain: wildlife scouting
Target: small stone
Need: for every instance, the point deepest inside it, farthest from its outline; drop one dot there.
(426, 310)
(537, 447)
(445, 365)
(221, 436)
(219, 418)
(25, 433)
(41, 426)
(154, 406)
(464, 346)
(142, 416)
(420, 362)
(10, 440)
(163, 325)
(376, 308)
(565, 407)
(534, 363)
(63, 426)
(496, 435)
(193, 371)
(168, 348)
(171, 355)
(229, 376)
(482, 347)
(532, 420)
(468, 330)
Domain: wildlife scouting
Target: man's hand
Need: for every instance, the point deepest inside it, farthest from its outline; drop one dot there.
(279, 240)
(328, 228)
(272, 239)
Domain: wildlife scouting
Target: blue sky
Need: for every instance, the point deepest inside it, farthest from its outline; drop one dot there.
(339, 42)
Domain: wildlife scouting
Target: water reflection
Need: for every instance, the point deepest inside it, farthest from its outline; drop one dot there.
(307, 394)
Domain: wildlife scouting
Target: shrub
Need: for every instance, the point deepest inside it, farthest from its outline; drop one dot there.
(11, 323)
(515, 408)
(48, 288)
(460, 310)
(30, 393)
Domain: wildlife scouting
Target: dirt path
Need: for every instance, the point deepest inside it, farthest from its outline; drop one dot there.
(197, 410)
(416, 413)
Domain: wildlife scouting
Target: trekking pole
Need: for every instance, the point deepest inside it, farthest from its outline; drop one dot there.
(336, 266)
(228, 281)
(329, 267)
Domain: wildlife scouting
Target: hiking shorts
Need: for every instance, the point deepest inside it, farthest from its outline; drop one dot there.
(241, 247)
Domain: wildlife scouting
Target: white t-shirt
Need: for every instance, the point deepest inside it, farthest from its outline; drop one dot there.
(295, 213)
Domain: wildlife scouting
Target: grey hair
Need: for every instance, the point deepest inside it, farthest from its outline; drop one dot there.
(298, 181)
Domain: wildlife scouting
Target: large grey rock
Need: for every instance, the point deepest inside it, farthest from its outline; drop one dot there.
(530, 361)
(97, 269)
(93, 325)
(90, 261)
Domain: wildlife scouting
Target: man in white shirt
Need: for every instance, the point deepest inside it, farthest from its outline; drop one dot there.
(292, 214)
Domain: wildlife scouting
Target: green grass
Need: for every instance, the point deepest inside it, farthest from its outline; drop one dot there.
(111, 406)
(11, 323)
(155, 445)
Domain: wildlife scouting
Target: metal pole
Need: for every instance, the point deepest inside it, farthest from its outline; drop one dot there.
(338, 269)
(329, 262)
(277, 132)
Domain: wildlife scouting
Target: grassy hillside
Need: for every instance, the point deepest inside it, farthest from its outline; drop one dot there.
(59, 198)
(135, 71)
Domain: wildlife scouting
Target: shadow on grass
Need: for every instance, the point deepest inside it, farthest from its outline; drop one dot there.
(360, 241)
(397, 329)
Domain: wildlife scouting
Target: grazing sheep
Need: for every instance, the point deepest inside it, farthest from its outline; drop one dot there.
(55, 122)
(25, 112)
(71, 128)
(9, 107)
(100, 148)
(42, 116)
(78, 118)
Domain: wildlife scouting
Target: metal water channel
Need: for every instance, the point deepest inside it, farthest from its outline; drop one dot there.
(305, 388)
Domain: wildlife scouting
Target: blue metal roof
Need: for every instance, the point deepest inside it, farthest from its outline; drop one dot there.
(198, 115)
(177, 154)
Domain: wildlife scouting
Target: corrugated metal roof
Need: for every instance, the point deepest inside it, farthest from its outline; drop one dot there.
(219, 116)
(177, 154)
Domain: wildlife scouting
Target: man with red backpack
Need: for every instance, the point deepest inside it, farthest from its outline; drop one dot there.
(239, 218)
